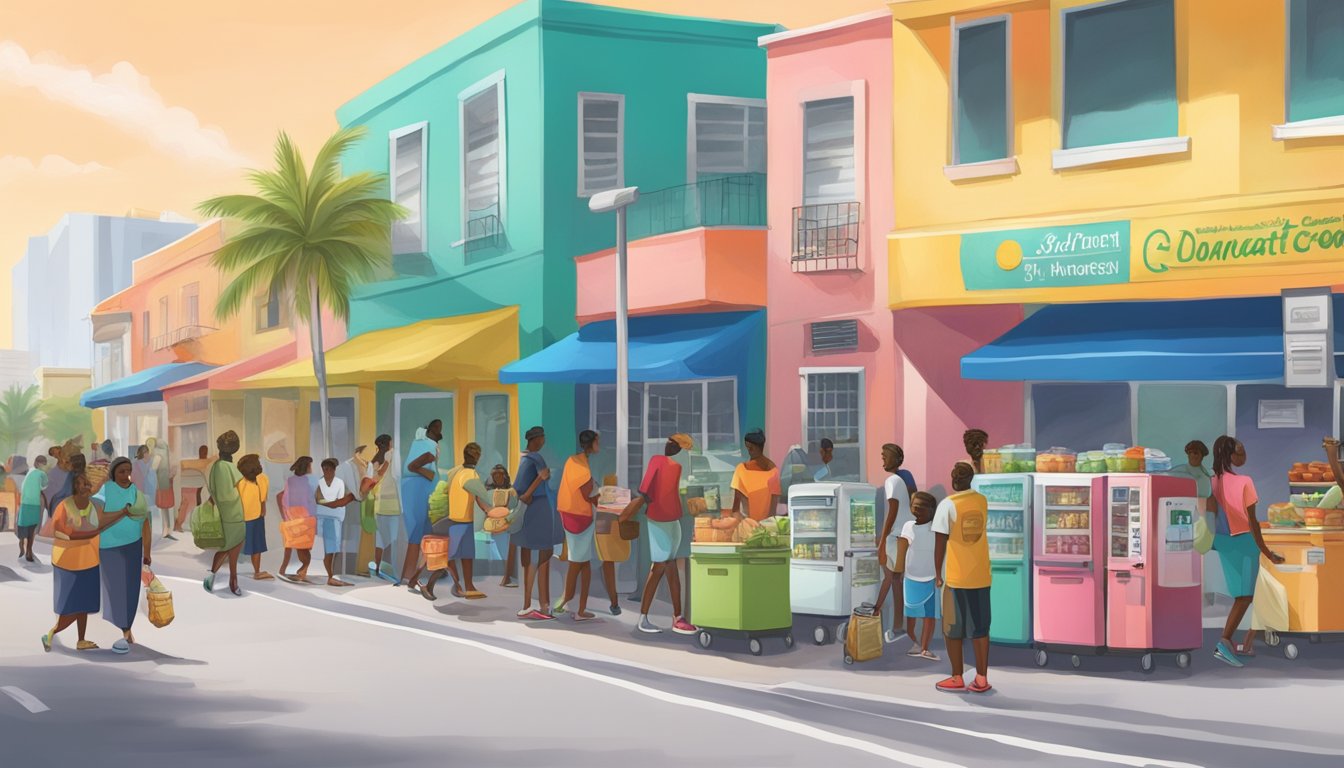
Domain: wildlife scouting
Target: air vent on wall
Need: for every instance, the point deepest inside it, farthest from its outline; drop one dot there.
(834, 336)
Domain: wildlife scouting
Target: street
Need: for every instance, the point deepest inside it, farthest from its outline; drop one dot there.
(376, 676)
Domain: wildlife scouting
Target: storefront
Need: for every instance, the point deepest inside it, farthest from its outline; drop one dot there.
(135, 408)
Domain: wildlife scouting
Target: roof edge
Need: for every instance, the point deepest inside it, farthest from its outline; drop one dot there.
(766, 41)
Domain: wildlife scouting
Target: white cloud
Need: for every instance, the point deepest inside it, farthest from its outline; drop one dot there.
(13, 168)
(123, 97)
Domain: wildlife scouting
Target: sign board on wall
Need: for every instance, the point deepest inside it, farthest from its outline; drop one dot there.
(1213, 244)
(1047, 257)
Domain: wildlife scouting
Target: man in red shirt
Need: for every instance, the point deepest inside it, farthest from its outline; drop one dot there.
(661, 491)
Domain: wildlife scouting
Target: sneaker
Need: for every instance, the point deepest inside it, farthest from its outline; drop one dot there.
(615, 609)
(889, 636)
(209, 583)
(121, 646)
(981, 685)
(1224, 654)
(683, 627)
(647, 626)
(558, 607)
(953, 684)
(540, 616)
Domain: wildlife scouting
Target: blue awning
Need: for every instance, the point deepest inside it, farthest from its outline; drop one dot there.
(1209, 340)
(662, 348)
(143, 387)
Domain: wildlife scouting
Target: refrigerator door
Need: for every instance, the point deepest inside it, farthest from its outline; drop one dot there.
(1179, 564)
(1007, 527)
(1128, 599)
(861, 516)
(864, 577)
(1010, 603)
(818, 589)
(814, 524)
(1064, 522)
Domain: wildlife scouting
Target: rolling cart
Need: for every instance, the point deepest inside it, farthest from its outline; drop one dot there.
(742, 593)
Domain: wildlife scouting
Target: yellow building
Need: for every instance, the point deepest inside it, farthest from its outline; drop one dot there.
(1181, 161)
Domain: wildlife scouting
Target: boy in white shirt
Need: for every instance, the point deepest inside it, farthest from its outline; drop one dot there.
(332, 497)
(914, 563)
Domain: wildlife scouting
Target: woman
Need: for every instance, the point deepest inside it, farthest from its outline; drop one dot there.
(253, 490)
(417, 484)
(146, 480)
(578, 494)
(122, 548)
(755, 481)
(11, 490)
(385, 525)
(1237, 541)
(222, 485)
(541, 530)
(32, 498)
(297, 501)
(501, 489)
(76, 524)
(162, 466)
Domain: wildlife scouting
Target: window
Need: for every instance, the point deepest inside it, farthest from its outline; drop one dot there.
(191, 304)
(482, 121)
(828, 151)
(833, 408)
(1119, 73)
(1315, 59)
(727, 135)
(601, 142)
(602, 417)
(980, 92)
(706, 410)
(492, 431)
(163, 315)
(407, 169)
(271, 312)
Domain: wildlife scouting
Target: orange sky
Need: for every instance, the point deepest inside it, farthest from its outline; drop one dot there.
(157, 104)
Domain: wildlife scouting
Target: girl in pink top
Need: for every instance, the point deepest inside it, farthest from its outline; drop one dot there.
(1238, 542)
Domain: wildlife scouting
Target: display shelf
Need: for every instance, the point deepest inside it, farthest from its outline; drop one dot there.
(1063, 508)
(814, 534)
(1053, 531)
(1292, 484)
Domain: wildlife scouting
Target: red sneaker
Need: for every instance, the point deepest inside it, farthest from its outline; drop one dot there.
(683, 627)
(981, 685)
(953, 684)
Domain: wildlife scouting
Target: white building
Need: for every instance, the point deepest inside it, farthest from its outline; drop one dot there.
(16, 369)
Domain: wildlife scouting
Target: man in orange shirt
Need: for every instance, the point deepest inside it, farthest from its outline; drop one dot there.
(961, 542)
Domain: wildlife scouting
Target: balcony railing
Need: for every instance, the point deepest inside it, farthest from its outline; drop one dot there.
(826, 237)
(185, 333)
(484, 232)
(724, 201)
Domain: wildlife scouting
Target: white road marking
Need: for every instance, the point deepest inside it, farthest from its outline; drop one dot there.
(26, 700)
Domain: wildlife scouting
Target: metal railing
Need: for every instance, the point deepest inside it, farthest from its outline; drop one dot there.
(484, 232)
(185, 333)
(826, 237)
(724, 201)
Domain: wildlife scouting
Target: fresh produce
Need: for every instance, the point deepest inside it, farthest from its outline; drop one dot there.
(1285, 515)
(745, 529)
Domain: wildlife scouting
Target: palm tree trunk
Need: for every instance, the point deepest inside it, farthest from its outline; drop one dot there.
(319, 365)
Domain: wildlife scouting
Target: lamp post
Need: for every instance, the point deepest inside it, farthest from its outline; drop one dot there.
(618, 200)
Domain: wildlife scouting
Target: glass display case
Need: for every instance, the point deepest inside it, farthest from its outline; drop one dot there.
(1068, 520)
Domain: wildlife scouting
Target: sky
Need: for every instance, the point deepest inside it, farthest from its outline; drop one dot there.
(159, 104)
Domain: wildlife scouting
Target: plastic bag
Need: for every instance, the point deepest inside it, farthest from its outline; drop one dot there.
(1203, 536)
(207, 528)
(1269, 609)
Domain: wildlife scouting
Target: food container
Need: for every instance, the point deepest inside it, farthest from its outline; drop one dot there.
(1304, 500)
(1135, 459)
(1018, 458)
(992, 462)
(1285, 515)
(1115, 458)
(1156, 461)
(1092, 461)
(1057, 460)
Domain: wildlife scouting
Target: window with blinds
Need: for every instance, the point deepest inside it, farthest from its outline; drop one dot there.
(1315, 59)
(729, 135)
(601, 142)
(482, 127)
(408, 183)
(828, 152)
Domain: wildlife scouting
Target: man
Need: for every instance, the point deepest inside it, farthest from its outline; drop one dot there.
(975, 441)
(466, 492)
(827, 451)
(193, 480)
(541, 526)
(661, 491)
(387, 520)
(961, 542)
(332, 498)
(32, 498)
(422, 474)
(898, 512)
(351, 474)
(162, 466)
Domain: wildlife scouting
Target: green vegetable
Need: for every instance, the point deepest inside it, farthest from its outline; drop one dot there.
(782, 524)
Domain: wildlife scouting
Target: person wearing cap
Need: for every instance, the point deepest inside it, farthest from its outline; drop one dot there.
(661, 492)
(755, 481)
(540, 531)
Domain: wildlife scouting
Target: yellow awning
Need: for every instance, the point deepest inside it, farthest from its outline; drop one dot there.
(431, 352)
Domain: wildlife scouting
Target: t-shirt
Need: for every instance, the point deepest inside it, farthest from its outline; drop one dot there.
(464, 490)
(33, 486)
(193, 473)
(70, 554)
(529, 466)
(128, 529)
(962, 517)
(919, 555)
(758, 486)
(331, 492)
(576, 509)
(894, 488)
(1235, 494)
(909, 479)
(253, 494)
(661, 489)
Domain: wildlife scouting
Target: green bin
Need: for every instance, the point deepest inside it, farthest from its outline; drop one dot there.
(744, 590)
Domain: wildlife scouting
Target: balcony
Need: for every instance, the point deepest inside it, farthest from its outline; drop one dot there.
(697, 247)
(185, 333)
(826, 237)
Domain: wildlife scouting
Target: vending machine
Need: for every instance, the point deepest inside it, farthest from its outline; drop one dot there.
(1068, 565)
(1009, 529)
(833, 530)
(1153, 574)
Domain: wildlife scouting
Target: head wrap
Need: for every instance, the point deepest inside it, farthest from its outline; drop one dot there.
(684, 440)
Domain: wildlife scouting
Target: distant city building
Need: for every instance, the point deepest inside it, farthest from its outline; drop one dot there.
(16, 369)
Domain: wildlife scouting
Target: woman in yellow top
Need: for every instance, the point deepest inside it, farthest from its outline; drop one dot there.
(76, 524)
(578, 493)
(253, 490)
(755, 481)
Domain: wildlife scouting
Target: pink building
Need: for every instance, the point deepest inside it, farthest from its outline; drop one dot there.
(842, 364)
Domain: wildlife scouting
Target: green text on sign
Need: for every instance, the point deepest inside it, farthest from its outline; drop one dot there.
(1046, 257)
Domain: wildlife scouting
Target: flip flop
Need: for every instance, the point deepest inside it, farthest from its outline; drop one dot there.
(980, 686)
(929, 656)
(584, 616)
(86, 645)
(1245, 651)
(263, 576)
(46, 642)
(475, 595)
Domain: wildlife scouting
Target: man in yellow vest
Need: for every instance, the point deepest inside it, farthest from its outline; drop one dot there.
(961, 543)
(466, 491)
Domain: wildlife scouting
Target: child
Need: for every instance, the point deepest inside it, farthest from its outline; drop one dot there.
(914, 561)
(331, 498)
(254, 489)
(503, 495)
(296, 501)
(30, 507)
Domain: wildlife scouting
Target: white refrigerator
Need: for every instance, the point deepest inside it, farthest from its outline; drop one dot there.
(833, 531)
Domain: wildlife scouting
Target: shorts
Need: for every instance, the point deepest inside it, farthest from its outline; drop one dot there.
(965, 613)
(664, 540)
(579, 547)
(461, 542)
(331, 535)
(687, 533)
(1240, 557)
(387, 529)
(254, 536)
(921, 599)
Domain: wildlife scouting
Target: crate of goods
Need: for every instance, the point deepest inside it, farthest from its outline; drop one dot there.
(1315, 517)
(1311, 472)
(992, 462)
(1057, 460)
(436, 552)
(1018, 458)
(1285, 515)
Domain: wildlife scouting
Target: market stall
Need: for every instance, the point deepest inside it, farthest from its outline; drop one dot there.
(740, 577)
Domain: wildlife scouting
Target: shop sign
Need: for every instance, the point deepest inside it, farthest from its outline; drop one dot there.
(1275, 240)
(1047, 257)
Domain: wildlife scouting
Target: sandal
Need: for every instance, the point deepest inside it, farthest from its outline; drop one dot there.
(584, 616)
(980, 685)
(1245, 651)
(928, 656)
(263, 576)
(236, 591)
(473, 594)
(46, 642)
(86, 645)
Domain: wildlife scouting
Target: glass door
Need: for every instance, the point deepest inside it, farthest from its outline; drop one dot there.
(1119, 512)
(1007, 518)
(813, 524)
(1068, 521)
(862, 521)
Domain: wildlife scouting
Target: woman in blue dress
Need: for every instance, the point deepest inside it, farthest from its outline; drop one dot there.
(123, 547)
(417, 483)
(541, 531)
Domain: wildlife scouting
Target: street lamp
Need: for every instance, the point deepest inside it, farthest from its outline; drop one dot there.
(618, 200)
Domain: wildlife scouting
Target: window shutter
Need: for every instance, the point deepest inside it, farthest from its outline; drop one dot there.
(828, 152)
(600, 143)
(835, 336)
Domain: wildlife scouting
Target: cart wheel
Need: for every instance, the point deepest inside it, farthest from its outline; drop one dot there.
(1076, 661)
(1146, 662)
(705, 639)
(819, 635)
(842, 632)
(1183, 660)
(1290, 651)
(1042, 658)
(849, 659)
(788, 640)
(1272, 638)
(754, 646)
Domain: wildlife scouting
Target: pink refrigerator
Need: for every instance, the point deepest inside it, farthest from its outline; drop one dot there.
(1068, 565)
(1153, 574)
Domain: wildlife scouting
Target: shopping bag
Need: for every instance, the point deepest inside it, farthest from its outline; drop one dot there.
(298, 532)
(863, 638)
(436, 552)
(207, 527)
(1269, 608)
(159, 606)
(1203, 536)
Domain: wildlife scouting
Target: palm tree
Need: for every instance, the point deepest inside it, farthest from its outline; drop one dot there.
(312, 235)
(63, 418)
(18, 416)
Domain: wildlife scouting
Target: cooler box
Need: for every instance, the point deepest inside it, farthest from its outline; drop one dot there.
(740, 589)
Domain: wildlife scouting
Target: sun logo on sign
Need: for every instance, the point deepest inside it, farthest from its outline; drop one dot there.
(1009, 255)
